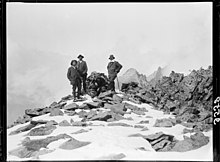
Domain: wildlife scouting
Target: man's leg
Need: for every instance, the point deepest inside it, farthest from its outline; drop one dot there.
(74, 91)
(112, 83)
(79, 86)
(84, 82)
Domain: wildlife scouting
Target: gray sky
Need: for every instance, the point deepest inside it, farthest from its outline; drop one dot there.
(42, 39)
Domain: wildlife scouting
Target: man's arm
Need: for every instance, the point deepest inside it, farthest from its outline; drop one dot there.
(69, 74)
(86, 68)
(119, 66)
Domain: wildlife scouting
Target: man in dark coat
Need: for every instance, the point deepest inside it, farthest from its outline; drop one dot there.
(114, 68)
(83, 69)
(74, 78)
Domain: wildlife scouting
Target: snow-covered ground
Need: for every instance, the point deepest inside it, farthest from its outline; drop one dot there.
(107, 141)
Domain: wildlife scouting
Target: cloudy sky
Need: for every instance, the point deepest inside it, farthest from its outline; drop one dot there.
(42, 39)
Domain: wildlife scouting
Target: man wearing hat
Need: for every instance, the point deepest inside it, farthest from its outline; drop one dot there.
(83, 69)
(114, 68)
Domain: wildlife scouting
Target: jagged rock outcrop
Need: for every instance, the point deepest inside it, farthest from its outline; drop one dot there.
(188, 97)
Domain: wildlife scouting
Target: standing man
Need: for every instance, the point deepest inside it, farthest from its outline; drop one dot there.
(74, 78)
(114, 68)
(83, 69)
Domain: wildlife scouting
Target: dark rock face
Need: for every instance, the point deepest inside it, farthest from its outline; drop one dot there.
(161, 141)
(41, 131)
(30, 148)
(73, 144)
(188, 97)
(138, 126)
(56, 112)
(96, 83)
(194, 142)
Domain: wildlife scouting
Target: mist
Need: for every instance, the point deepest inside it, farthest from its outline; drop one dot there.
(42, 39)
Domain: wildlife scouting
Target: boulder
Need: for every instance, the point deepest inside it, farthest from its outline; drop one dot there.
(118, 108)
(163, 123)
(138, 126)
(94, 104)
(144, 122)
(194, 142)
(73, 144)
(70, 113)
(31, 148)
(56, 112)
(106, 94)
(117, 99)
(119, 124)
(51, 122)
(41, 131)
(71, 106)
(64, 123)
(102, 116)
(113, 157)
(80, 131)
(78, 123)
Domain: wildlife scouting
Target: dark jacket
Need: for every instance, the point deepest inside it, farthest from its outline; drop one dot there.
(114, 68)
(73, 75)
(82, 67)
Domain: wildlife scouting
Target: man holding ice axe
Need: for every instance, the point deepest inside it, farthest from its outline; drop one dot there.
(114, 68)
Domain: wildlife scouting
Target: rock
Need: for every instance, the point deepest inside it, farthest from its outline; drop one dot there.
(32, 112)
(73, 144)
(23, 129)
(129, 118)
(94, 104)
(119, 124)
(138, 126)
(117, 99)
(31, 148)
(136, 135)
(64, 123)
(91, 114)
(56, 105)
(84, 106)
(106, 94)
(41, 131)
(71, 106)
(194, 142)
(138, 112)
(56, 112)
(102, 116)
(161, 141)
(80, 131)
(145, 129)
(79, 123)
(82, 114)
(51, 122)
(185, 130)
(69, 97)
(144, 122)
(70, 113)
(163, 123)
(118, 108)
(113, 157)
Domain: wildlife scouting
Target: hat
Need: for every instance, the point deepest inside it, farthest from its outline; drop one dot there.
(111, 57)
(80, 56)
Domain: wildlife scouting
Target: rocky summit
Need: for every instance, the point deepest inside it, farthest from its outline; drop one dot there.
(137, 123)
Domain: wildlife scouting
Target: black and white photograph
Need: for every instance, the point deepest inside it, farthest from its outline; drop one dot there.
(110, 81)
